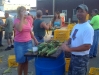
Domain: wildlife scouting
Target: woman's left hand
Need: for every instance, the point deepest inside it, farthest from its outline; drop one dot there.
(36, 43)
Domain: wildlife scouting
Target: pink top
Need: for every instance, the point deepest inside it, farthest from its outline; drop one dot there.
(31, 19)
(24, 35)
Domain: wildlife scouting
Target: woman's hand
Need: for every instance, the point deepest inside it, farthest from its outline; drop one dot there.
(22, 14)
(36, 42)
(33, 37)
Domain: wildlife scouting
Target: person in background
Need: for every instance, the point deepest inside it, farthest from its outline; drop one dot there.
(34, 18)
(80, 43)
(56, 20)
(8, 31)
(95, 24)
(23, 39)
(46, 12)
(40, 26)
(1, 31)
(29, 16)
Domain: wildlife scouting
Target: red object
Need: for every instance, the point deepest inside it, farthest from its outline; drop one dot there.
(63, 21)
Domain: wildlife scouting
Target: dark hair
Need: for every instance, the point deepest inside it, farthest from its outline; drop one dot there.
(96, 11)
(28, 13)
(55, 17)
(27, 9)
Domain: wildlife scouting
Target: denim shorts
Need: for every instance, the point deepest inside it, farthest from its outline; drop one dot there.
(20, 49)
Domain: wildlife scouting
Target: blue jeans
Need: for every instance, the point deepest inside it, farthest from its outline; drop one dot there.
(93, 50)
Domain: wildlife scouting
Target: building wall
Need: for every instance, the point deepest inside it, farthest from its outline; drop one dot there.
(68, 5)
(45, 5)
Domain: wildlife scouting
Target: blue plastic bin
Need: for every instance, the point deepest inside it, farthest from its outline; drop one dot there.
(50, 66)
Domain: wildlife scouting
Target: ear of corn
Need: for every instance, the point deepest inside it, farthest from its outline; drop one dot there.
(52, 51)
(7, 70)
(49, 48)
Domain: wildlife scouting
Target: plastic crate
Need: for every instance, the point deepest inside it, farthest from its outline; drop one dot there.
(61, 35)
(94, 71)
(87, 17)
(11, 61)
(71, 26)
(67, 60)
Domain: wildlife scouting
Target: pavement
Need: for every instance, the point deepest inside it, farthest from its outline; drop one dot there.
(94, 62)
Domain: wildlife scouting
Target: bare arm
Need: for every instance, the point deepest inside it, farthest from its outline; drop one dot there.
(69, 41)
(83, 47)
(19, 26)
(43, 25)
(88, 34)
(33, 37)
